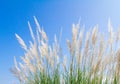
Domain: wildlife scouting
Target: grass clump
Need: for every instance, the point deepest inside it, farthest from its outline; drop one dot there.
(92, 58)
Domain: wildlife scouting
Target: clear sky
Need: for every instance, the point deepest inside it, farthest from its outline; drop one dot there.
(52, 16)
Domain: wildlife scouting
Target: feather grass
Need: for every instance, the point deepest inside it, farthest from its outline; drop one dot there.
(93, 59)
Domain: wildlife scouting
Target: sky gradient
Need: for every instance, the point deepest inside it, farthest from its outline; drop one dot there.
(52, 16)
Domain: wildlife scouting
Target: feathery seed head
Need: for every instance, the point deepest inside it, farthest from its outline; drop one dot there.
(110, 30)
(22, 43)
(94, 34)
(75, 29)
(37, 24)
(31, 31)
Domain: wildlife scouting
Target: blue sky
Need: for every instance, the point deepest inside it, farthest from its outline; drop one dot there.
(52, 16)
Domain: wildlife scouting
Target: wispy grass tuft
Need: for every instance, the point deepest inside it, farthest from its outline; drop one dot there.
(93, 59)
